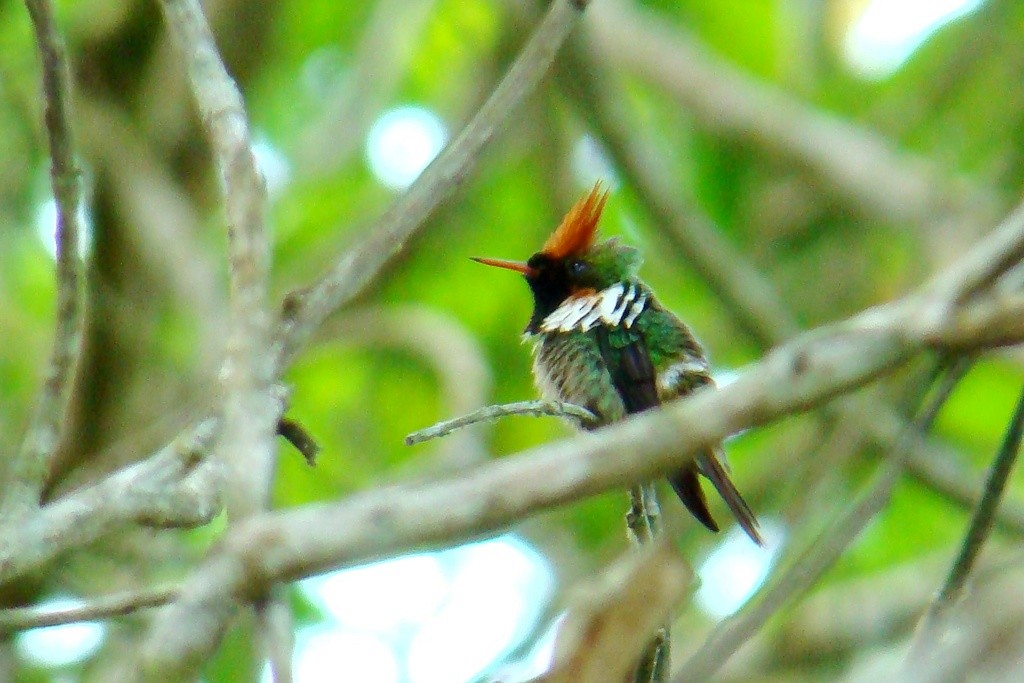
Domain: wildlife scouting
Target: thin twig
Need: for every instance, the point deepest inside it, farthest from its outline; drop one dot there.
(298, 436)
(643, 524)
(106, 607)
(276, 629)
(27, 474)
(643, 520)
(822, 553)
(488, 413)
(981, 525)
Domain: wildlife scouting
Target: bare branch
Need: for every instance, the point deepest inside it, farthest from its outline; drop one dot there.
(856, 164)
(643, 526)
(611, 620)
(306, 310)
(106, 607)
(27, 473)
(489, 413)
(173, 487)
(276, 630)
(300, 438)
(250, 411)
(981, 525)
(821, 554)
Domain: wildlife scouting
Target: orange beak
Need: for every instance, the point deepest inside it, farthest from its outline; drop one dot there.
(517, 266)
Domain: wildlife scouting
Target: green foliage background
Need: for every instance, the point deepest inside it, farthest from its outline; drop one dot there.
(152, 340)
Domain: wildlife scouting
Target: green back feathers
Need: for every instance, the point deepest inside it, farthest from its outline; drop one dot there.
(668, 340)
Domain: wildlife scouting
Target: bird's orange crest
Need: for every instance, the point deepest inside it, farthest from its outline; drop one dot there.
(579, 227)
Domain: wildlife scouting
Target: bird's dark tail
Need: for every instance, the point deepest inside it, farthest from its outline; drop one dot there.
(711, 467)
(687, 487)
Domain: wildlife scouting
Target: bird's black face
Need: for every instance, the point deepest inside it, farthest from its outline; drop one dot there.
(551, 282)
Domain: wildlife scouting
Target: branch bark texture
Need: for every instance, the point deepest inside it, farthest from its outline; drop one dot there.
(250, 411)
(173, 487)
(27, 474)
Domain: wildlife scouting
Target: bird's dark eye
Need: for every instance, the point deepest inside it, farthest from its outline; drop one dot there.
(577, 267)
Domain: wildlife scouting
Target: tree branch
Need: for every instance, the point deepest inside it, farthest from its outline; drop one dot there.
(27, 473)
(643, 526)
(251, 409)
(820, 554)
(981, 525)
(106, 607)
(611, 620)
(858, 165)
(285, 545)
(306, 310)
(173, 487)
(489, 413)
(276, 630)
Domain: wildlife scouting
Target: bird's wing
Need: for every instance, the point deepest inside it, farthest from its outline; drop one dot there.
(688, 376)
(632, 372)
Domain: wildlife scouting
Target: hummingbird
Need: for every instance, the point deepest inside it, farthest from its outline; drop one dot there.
(603, 341)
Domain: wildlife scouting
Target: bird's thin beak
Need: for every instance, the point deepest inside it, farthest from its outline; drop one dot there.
(517, 266)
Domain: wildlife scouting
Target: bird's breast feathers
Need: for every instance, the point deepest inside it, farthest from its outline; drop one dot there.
(620, 304)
